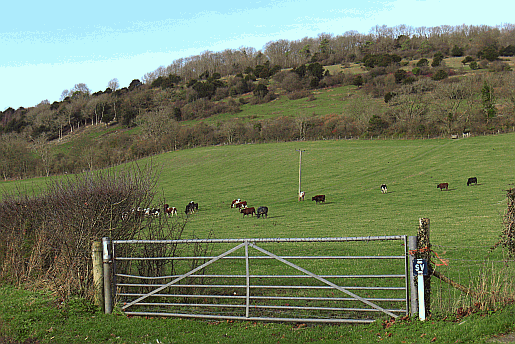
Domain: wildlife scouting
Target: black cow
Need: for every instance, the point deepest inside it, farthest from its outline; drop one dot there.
(318, 198)
(191, 208)
(472, 180)
(262, 211)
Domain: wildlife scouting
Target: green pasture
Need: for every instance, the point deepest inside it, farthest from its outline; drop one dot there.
(466, 221)
(349, 173)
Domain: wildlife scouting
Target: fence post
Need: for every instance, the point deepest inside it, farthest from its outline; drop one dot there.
(424, 252)
(412, 247)
(107, 259)
(98, 278)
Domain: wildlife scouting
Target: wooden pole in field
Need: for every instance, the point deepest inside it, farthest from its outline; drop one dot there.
(98, 277)
(300, 171)
(424, 252)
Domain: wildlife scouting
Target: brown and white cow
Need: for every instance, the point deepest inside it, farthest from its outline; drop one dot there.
(170, 211)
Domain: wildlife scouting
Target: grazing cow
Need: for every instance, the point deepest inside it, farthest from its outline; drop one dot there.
(170, 211)
(472, 180)
(318, 198)
(301, 195)
(234, 202)
(248, 211)
(442, 186)
(152, 212)
(191, 208)
(262, 211)
(384, 189)
(240, 204)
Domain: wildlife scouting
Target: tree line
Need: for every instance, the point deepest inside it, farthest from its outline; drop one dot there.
(164, 110)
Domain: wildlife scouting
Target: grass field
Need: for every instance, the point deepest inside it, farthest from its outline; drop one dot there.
(465, 220)
(349, 173)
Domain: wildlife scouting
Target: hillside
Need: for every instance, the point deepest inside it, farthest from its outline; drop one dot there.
(379, 89)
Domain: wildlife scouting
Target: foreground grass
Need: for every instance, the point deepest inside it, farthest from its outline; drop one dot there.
(37, 316)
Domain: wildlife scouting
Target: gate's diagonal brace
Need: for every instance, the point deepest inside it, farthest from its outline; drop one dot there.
(183, 276)
(323, 280)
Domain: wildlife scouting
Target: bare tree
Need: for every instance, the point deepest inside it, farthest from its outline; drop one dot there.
(64, 94)
(41, 147)
(113, 84)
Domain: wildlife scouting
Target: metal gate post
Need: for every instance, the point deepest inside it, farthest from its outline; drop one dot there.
(412, 246)
(107, 259)
(247, 273)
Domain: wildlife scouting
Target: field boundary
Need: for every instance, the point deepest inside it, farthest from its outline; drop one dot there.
(264, 284)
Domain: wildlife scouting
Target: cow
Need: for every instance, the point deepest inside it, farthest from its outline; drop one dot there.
(151, 212)
(241, 204)
(262, 211)
(191, 208)
(248, 211)
(384, 189)
(442, 186)
(318, 198)
(234, 202)
(301, 195)
(170, 211)
(472, 180)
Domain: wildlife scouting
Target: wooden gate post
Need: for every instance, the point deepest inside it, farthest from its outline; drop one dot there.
(98, 278)
(424, 252)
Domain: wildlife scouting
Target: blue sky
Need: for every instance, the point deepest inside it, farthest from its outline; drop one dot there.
(49, 46)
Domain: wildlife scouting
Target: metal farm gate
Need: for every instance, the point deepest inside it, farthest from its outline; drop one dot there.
(278, 279)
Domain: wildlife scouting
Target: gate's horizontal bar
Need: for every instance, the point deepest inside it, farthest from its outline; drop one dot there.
(258, 286)
(266, 276)
(262, 257)
(217, 305)
(290, 298)
(222, 317)
(191, 241)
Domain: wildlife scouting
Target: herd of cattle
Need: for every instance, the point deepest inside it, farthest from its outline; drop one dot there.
(245, 210)
(441, 186)
(262, 211)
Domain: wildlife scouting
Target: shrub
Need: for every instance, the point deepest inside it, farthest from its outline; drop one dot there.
(299, 94)
(59, 226)
(422, 63)
(440, 75)
(467, 59)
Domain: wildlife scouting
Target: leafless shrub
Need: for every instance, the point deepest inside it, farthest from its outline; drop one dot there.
(507, 239)
(49, 236)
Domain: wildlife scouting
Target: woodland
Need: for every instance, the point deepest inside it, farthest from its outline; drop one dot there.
(398, 82)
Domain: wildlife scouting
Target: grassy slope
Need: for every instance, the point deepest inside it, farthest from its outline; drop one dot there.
(349, 173)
